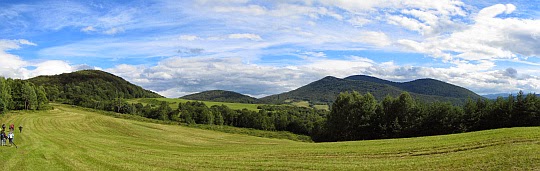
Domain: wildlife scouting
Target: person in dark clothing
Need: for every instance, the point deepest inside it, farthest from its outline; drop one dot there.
(3, 137)
(20, 129)
(3, 127)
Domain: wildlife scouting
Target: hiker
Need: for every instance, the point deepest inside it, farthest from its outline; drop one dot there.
(3, 137)
(11, 127)
(3, 126)
(11, 136)
(20, 129)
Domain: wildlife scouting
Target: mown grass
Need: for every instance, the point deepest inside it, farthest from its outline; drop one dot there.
(73, 139)
(220, 128)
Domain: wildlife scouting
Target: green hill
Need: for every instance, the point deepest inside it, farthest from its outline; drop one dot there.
(221, 96)
(73, 139)
(90, 84)
(326, 90)
(423, 86)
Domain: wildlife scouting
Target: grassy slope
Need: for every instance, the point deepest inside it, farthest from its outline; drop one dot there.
(174, 103)
(74, 139)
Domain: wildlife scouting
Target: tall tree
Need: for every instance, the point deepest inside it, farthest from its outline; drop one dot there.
(352, 116)
(5, 95)
(41, 97)
(29, 96)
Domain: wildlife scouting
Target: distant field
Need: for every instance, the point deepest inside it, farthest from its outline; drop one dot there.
(236, 106)
(325, 107)
(174, 103)
(73, 139)
(301, 104)
(306, 104)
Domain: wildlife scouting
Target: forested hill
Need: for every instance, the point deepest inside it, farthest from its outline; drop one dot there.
(221, 96)
(423, 86)
(89, 85)
(327, 89)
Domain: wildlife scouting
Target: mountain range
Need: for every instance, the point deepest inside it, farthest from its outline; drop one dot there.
(100, 85)
(325, 91)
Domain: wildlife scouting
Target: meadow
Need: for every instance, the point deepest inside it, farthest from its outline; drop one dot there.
(173, 102)
(70, 138)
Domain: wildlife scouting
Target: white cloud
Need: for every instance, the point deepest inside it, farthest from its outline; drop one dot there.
(250, 9)
(359, 21)
(375, 38)
(26, 42)
(493, 11)
(488, 38)
(175, 77)
(14, 66)
(356, 6)
(88, 29)
(312, 55)
(9, 62)
(113, 31)
(50, 67)
(510, 8)
(222, 1)
(249, 36)
(188, 37)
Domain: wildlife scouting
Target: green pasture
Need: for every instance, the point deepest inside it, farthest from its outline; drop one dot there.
(174, 103)
(69, 138)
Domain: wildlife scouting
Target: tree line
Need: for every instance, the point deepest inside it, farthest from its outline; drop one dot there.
(353, 116)
(299, 120)
(359, 117)
(16, 94)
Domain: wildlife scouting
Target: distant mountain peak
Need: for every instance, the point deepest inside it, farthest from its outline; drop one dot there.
(326, 90)
(359, 76)
(330, 78)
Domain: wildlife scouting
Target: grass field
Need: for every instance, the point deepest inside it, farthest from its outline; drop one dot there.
(73, 139)
(236, 106)
(306, 104)
(174, 103)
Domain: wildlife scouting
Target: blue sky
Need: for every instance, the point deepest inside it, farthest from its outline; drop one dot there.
(267, 47)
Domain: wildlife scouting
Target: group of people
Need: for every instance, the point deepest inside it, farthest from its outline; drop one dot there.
(9, 136)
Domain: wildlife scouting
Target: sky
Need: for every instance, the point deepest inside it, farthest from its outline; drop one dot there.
(261, 48)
